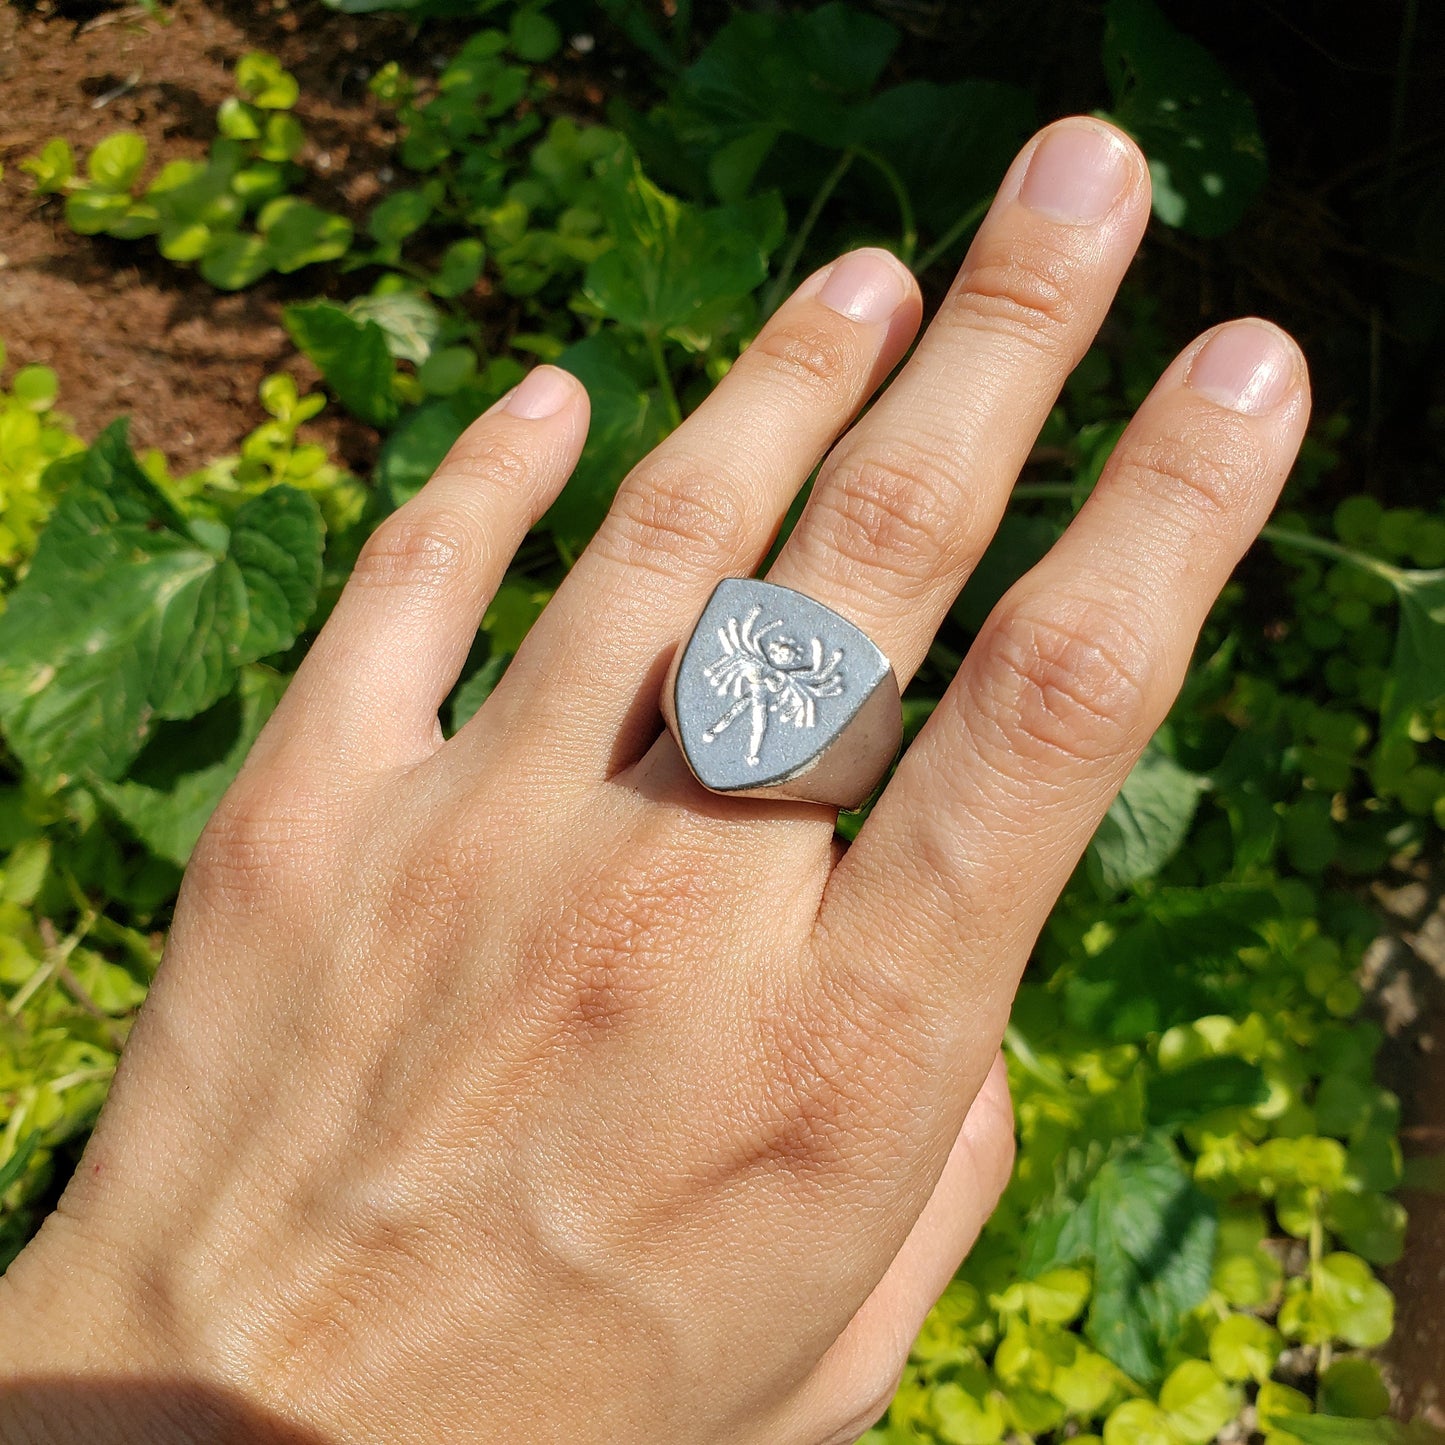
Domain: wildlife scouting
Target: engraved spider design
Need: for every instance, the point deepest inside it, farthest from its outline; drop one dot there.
(764, 671)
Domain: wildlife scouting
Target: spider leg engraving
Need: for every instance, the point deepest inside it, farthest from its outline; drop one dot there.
(729, 717)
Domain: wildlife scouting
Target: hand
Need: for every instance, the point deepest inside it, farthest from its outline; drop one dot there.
(516, 1088)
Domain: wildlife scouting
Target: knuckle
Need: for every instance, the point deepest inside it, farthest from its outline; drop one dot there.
(839, 1058)
(672, 513)
(603, 956)
(814, 356)
(1067, 678)
(1024, 289)
(426, 547)
(259, 833)
(1201, 467)
(499, 464)
(892, 507)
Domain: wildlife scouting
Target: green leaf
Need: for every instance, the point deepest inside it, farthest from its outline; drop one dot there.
(35, 387)
(52, 167)
(398, 215)
(411, 323)
(1369, 1223)
(173, 787)
(533, 36)
(800, 71)
(1360, 1309)
(513, 610)
(282, 138)
(1020, 541)
(1329, 1430)
(1147, 823)
(299, 234)
(1417, 670)
(628, 420)
(1353, 1386)
(91, 212)
(416, 445)
(116, 161)
(460, 268)
(1198, 1402)
(673, 264)
(447, 370)
(1206, 155)
(1242, 1347)
(476, 690)
(262, 80)
(15, 1165)
(967, 1410)
(1138, 1422)
(1150, 1235)
(235, 259)
(1182, 1095)
(949, 144)
(238, 121)
(353, 357)
(125, 620)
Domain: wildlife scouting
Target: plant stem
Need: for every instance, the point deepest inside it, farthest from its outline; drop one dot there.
(960, 228)
(1285, 537)
(1042, 492)
(783, 279)
(1018, 1045)
(664, 378)
(908, 241)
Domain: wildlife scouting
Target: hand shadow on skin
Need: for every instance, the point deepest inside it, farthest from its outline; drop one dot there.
(131, 1412)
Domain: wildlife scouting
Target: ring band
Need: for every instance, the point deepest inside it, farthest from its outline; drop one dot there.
(777, 696)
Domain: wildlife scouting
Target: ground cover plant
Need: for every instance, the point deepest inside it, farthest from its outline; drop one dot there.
(1208, 1165)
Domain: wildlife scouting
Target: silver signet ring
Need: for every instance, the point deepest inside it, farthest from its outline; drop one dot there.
(777, 696)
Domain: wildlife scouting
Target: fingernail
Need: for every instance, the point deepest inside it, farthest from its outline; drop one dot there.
(543, 392)
(1246, 367)
(1076, 174)
(865, 286)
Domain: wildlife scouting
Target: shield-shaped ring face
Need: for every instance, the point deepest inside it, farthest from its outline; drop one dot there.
(777, 696)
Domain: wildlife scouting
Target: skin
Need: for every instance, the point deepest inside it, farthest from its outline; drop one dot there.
(516, 1088)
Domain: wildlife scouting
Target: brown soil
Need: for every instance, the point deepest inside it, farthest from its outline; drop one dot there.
(1405, 974)
(127, 331)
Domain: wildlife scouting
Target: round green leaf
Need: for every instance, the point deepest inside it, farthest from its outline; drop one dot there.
(262, 80)
(447, 370)
(1138, 1422)
(1353, 1387)
(184, 241)
(91, 212)
(967, 1418)
(398, 216)
(115, 163)
(299, 234)
(235, 259)
(1371, 1224)
(1198, 1403)
(35, 387)
(534, 37)
(1361, 1309)
(282, 138)
(460, 268)
(237, 120)
(1245, 1348)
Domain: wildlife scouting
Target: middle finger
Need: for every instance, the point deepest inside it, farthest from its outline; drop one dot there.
(909, 499)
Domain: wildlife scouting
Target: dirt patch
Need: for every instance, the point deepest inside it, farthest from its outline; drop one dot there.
(1405, 974)
(127, 331)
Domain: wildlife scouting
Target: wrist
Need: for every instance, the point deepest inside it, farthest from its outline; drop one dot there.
(78, 1362)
